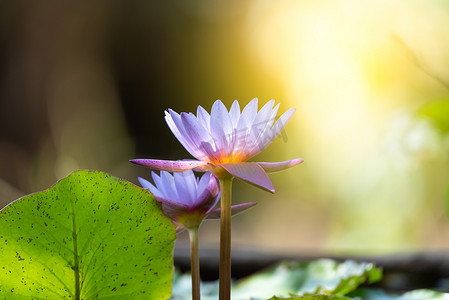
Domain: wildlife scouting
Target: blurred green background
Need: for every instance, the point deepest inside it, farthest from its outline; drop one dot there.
(84, 85)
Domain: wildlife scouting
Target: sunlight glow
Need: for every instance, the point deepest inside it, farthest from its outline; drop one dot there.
(347, 68)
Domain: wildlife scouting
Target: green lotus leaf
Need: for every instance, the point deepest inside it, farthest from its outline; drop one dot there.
(90, 236)
(324, 276)
(376, 294)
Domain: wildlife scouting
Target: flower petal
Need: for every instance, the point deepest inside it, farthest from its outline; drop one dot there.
(185, 185)
(234, 113)
(170, 118)
(283, 120)
(172, 209)
(235, 209)
(208, 192)
(166, 184)
(271, 167)
(258, 127)
(208, 183)
(203, 183)
(203, 117)
(250, 172)
(208, 202)
(147, 185)
(244, 124)
(248, 115)
(221, 128)
(270, 135)
(250, 152)
(169, 165)
(175, 124)
(274, 112)
(198, 134)
(263, 116)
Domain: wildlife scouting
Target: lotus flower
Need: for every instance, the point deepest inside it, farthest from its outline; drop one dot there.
(186, 199)
(224, 141)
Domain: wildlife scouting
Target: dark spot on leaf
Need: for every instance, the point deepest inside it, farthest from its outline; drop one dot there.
(19, 257)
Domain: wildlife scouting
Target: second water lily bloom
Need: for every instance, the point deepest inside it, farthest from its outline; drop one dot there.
(186, 199)
(223, 141)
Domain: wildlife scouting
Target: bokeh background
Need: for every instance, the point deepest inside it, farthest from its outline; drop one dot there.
(84, 85)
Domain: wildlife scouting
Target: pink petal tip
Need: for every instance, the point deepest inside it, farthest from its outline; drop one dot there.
(271, 167)
(169, 165)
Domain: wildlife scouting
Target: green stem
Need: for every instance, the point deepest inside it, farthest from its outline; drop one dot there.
(225, 238)
(194, 263)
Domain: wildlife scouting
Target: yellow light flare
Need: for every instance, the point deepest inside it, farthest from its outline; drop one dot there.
(349, 67)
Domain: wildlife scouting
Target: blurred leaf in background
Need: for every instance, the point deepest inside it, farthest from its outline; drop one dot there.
(438, 113)
(291, 278)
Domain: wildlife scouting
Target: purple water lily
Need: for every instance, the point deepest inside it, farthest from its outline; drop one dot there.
(186, 199)
(222, 143)
(224, 140)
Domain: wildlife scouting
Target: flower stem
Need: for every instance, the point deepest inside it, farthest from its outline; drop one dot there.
(225, 238)
(194, 263)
